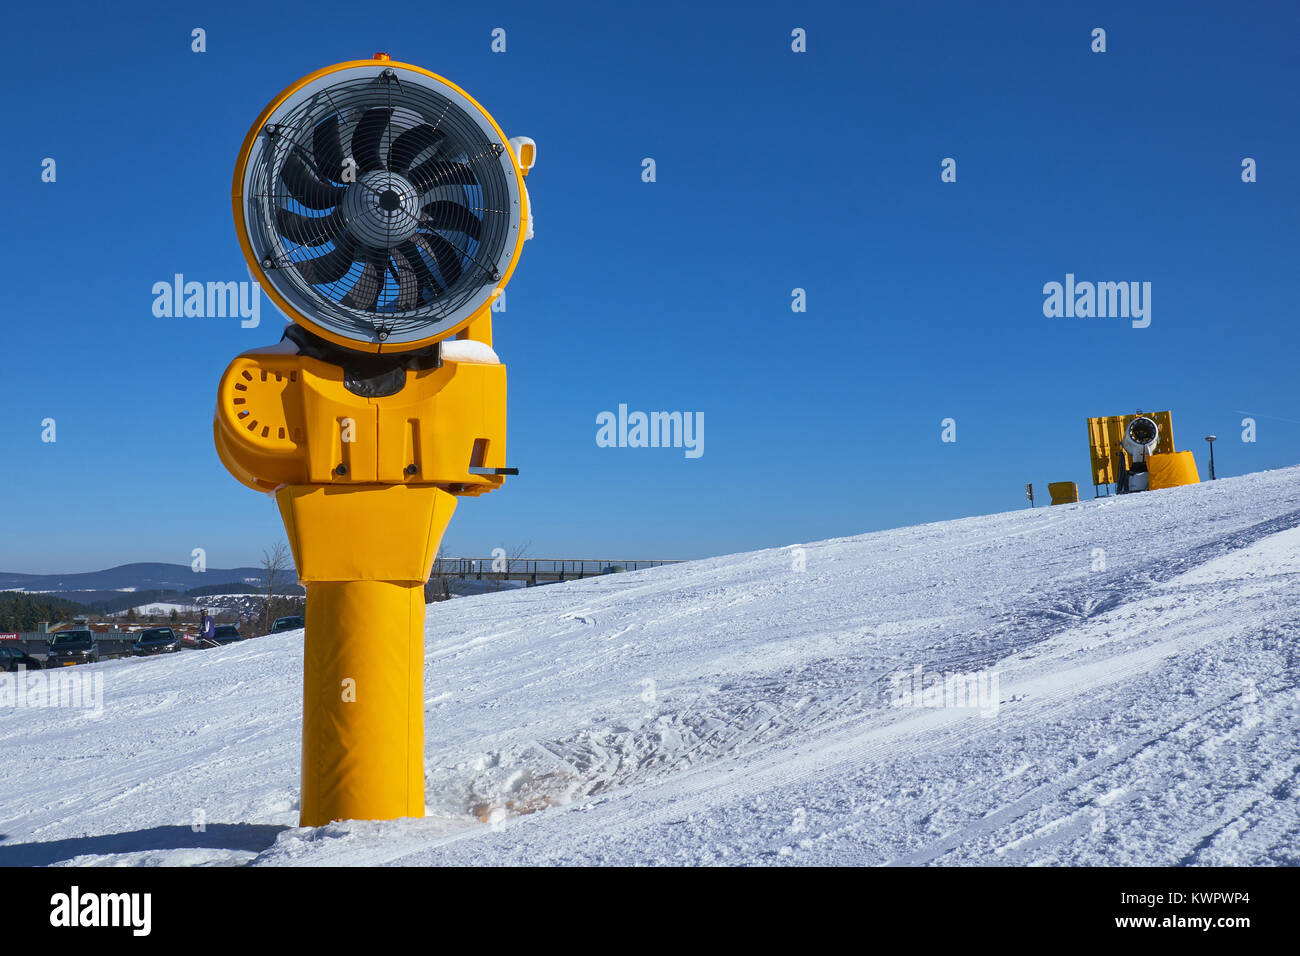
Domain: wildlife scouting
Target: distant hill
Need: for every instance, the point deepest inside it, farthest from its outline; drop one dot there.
(131, 584)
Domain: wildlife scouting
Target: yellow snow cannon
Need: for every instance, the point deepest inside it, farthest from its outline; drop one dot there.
(384, 211)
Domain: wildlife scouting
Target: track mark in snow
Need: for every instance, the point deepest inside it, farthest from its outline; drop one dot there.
(728, 721)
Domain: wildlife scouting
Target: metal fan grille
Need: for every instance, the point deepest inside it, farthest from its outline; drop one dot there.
(381, 206)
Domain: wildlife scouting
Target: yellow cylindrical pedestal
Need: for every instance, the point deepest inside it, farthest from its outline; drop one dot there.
(1172, 470)
(363, 702)
(363, 552)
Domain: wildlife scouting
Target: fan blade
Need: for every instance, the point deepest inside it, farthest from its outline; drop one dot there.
(411, 144)
(408, 283)
(445, 214)
(368, 135)
(365, 292)
(327, 148)
(411, 251)
(306, 230)
(443, 253)
(438, 172)
(332, 266)
(306, 187)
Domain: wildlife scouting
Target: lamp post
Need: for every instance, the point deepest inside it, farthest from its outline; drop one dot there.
(1210, 439)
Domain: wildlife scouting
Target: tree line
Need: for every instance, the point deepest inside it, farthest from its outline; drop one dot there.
(20, 611)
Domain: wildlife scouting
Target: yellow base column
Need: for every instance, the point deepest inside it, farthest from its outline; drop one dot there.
(363, 553)
(363, 702)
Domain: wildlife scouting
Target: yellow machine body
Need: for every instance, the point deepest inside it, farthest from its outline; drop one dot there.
(1105, 443)
(287, 419)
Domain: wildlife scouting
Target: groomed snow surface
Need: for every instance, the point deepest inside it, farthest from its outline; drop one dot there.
(1140, 654)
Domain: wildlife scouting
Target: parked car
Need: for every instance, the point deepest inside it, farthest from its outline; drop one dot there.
(156, 640)
(15, 658)
(72, 647)
(226, 634)
(288, 624)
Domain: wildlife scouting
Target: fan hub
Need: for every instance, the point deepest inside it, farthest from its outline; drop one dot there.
(381, 209)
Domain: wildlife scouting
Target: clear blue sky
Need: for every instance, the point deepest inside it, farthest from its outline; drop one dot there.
(775, 170)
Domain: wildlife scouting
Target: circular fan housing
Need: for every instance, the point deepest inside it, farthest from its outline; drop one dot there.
(379, 205)
(1140, 437)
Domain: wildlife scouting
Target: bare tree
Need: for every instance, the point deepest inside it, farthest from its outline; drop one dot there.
(276, 565)
(514, 557)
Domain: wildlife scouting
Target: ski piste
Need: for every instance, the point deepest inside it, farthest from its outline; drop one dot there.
(747, 709)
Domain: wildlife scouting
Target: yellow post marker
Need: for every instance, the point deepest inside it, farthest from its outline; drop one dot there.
(384, 210)
(1063, 492)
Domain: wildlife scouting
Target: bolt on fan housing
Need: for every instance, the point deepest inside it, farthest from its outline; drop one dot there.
(379, 205)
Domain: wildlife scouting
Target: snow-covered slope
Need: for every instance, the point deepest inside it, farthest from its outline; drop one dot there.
(1143, 656)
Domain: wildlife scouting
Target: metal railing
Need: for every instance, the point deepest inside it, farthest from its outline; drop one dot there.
(534, 570)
